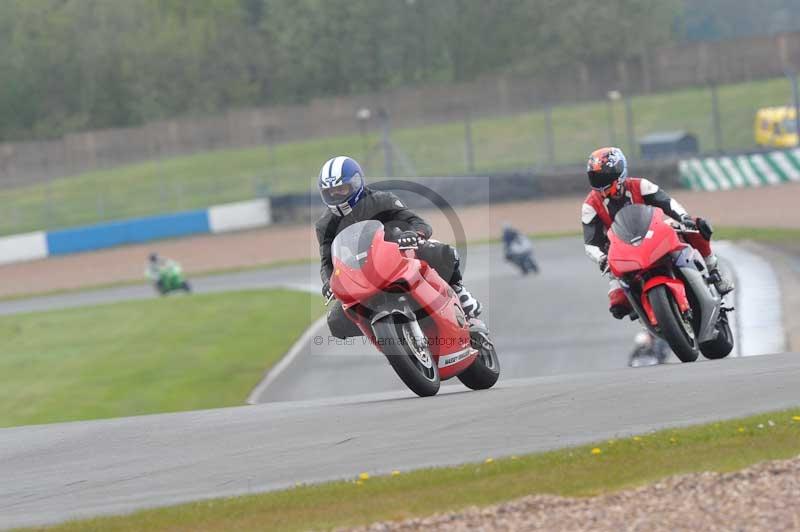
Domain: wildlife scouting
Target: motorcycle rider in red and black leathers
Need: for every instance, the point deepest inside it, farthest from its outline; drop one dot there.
(349, 201)
(612, 189)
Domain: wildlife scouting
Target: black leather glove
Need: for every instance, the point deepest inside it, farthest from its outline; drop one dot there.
(688, 221)
(326, 290)
(705, 228)
(603, 263)
(408, 239)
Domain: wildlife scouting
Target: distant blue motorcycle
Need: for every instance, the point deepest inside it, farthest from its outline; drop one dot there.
(519, 250)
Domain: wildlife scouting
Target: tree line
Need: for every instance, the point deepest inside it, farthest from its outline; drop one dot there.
(72, 65)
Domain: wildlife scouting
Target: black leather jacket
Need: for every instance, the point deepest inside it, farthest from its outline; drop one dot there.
(373, 205)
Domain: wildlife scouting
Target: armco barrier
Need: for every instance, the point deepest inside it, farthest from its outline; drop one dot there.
(132, 231)
(216, 219)
(754, 170)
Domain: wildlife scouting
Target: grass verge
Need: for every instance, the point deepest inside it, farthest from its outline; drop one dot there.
(500, 143)
(580, 471)
(764, 234)
(142, 357)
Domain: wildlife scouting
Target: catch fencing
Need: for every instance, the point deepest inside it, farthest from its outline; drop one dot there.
(489, 127)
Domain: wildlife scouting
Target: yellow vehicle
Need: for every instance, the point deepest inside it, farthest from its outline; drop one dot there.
(776, 127)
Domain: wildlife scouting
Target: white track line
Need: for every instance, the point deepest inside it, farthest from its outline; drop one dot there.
(759, 317)
(284, 363)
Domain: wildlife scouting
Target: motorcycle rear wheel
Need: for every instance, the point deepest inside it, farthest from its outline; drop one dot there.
(411, 361)
(675, 329)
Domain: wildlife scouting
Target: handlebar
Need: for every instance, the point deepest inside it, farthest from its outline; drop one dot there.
(681, 228)
(420, 242)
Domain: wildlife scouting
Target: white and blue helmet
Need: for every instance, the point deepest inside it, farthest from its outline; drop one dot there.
(341, 184)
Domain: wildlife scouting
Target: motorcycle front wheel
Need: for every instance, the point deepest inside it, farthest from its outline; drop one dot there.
(675, 328)
(483, 373)
(406, 349)
(722, 345)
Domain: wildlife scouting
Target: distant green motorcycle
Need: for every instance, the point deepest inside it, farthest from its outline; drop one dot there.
(168, 276)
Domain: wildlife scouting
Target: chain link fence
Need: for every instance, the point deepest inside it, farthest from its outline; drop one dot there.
(461, 139)
(722, 119)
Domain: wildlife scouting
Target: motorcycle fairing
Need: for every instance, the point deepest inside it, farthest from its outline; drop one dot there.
(639, 246)
(674, 285)
(691, 266)
(371, 273)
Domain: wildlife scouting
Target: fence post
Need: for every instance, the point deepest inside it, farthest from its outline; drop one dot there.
(468, 146)
(629, 127)
(796, 97)
(362, 117)
(101, 203)
(549, 136)
(715, 117)
(612, 130)
(388, 155)
(48, 206)
(613, 96)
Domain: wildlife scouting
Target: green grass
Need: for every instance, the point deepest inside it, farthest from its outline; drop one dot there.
(142, 357)
(724, 446)
(762, 234)
(501, 143)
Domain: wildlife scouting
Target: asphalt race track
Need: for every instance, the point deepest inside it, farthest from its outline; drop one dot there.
(553, 323)
(54, 472)
(335, 411)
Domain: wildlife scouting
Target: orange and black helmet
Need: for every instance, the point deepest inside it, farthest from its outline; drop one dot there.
(606, 167)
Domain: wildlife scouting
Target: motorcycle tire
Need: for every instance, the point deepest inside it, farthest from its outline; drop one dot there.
(186, 287)
(483, 373)
(722, 345)
(413, 363)
(674, 328)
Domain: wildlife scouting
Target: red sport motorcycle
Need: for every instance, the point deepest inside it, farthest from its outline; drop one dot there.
(668, 284)
(409, 312)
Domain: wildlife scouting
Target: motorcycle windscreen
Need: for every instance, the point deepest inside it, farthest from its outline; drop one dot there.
(352, 245)
(632, 223)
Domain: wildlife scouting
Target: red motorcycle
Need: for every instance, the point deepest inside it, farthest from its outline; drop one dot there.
(409, 312)
(668, 284)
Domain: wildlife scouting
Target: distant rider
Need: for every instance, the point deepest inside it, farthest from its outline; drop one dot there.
(349, 201)
(514, 242)
(518, 249)
(156, 266)
(612, 189)
(648, 348)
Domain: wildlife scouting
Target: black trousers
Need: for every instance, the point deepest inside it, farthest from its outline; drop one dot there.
(441, 257)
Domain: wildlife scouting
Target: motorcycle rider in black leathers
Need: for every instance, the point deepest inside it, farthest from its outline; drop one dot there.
(349, 201)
